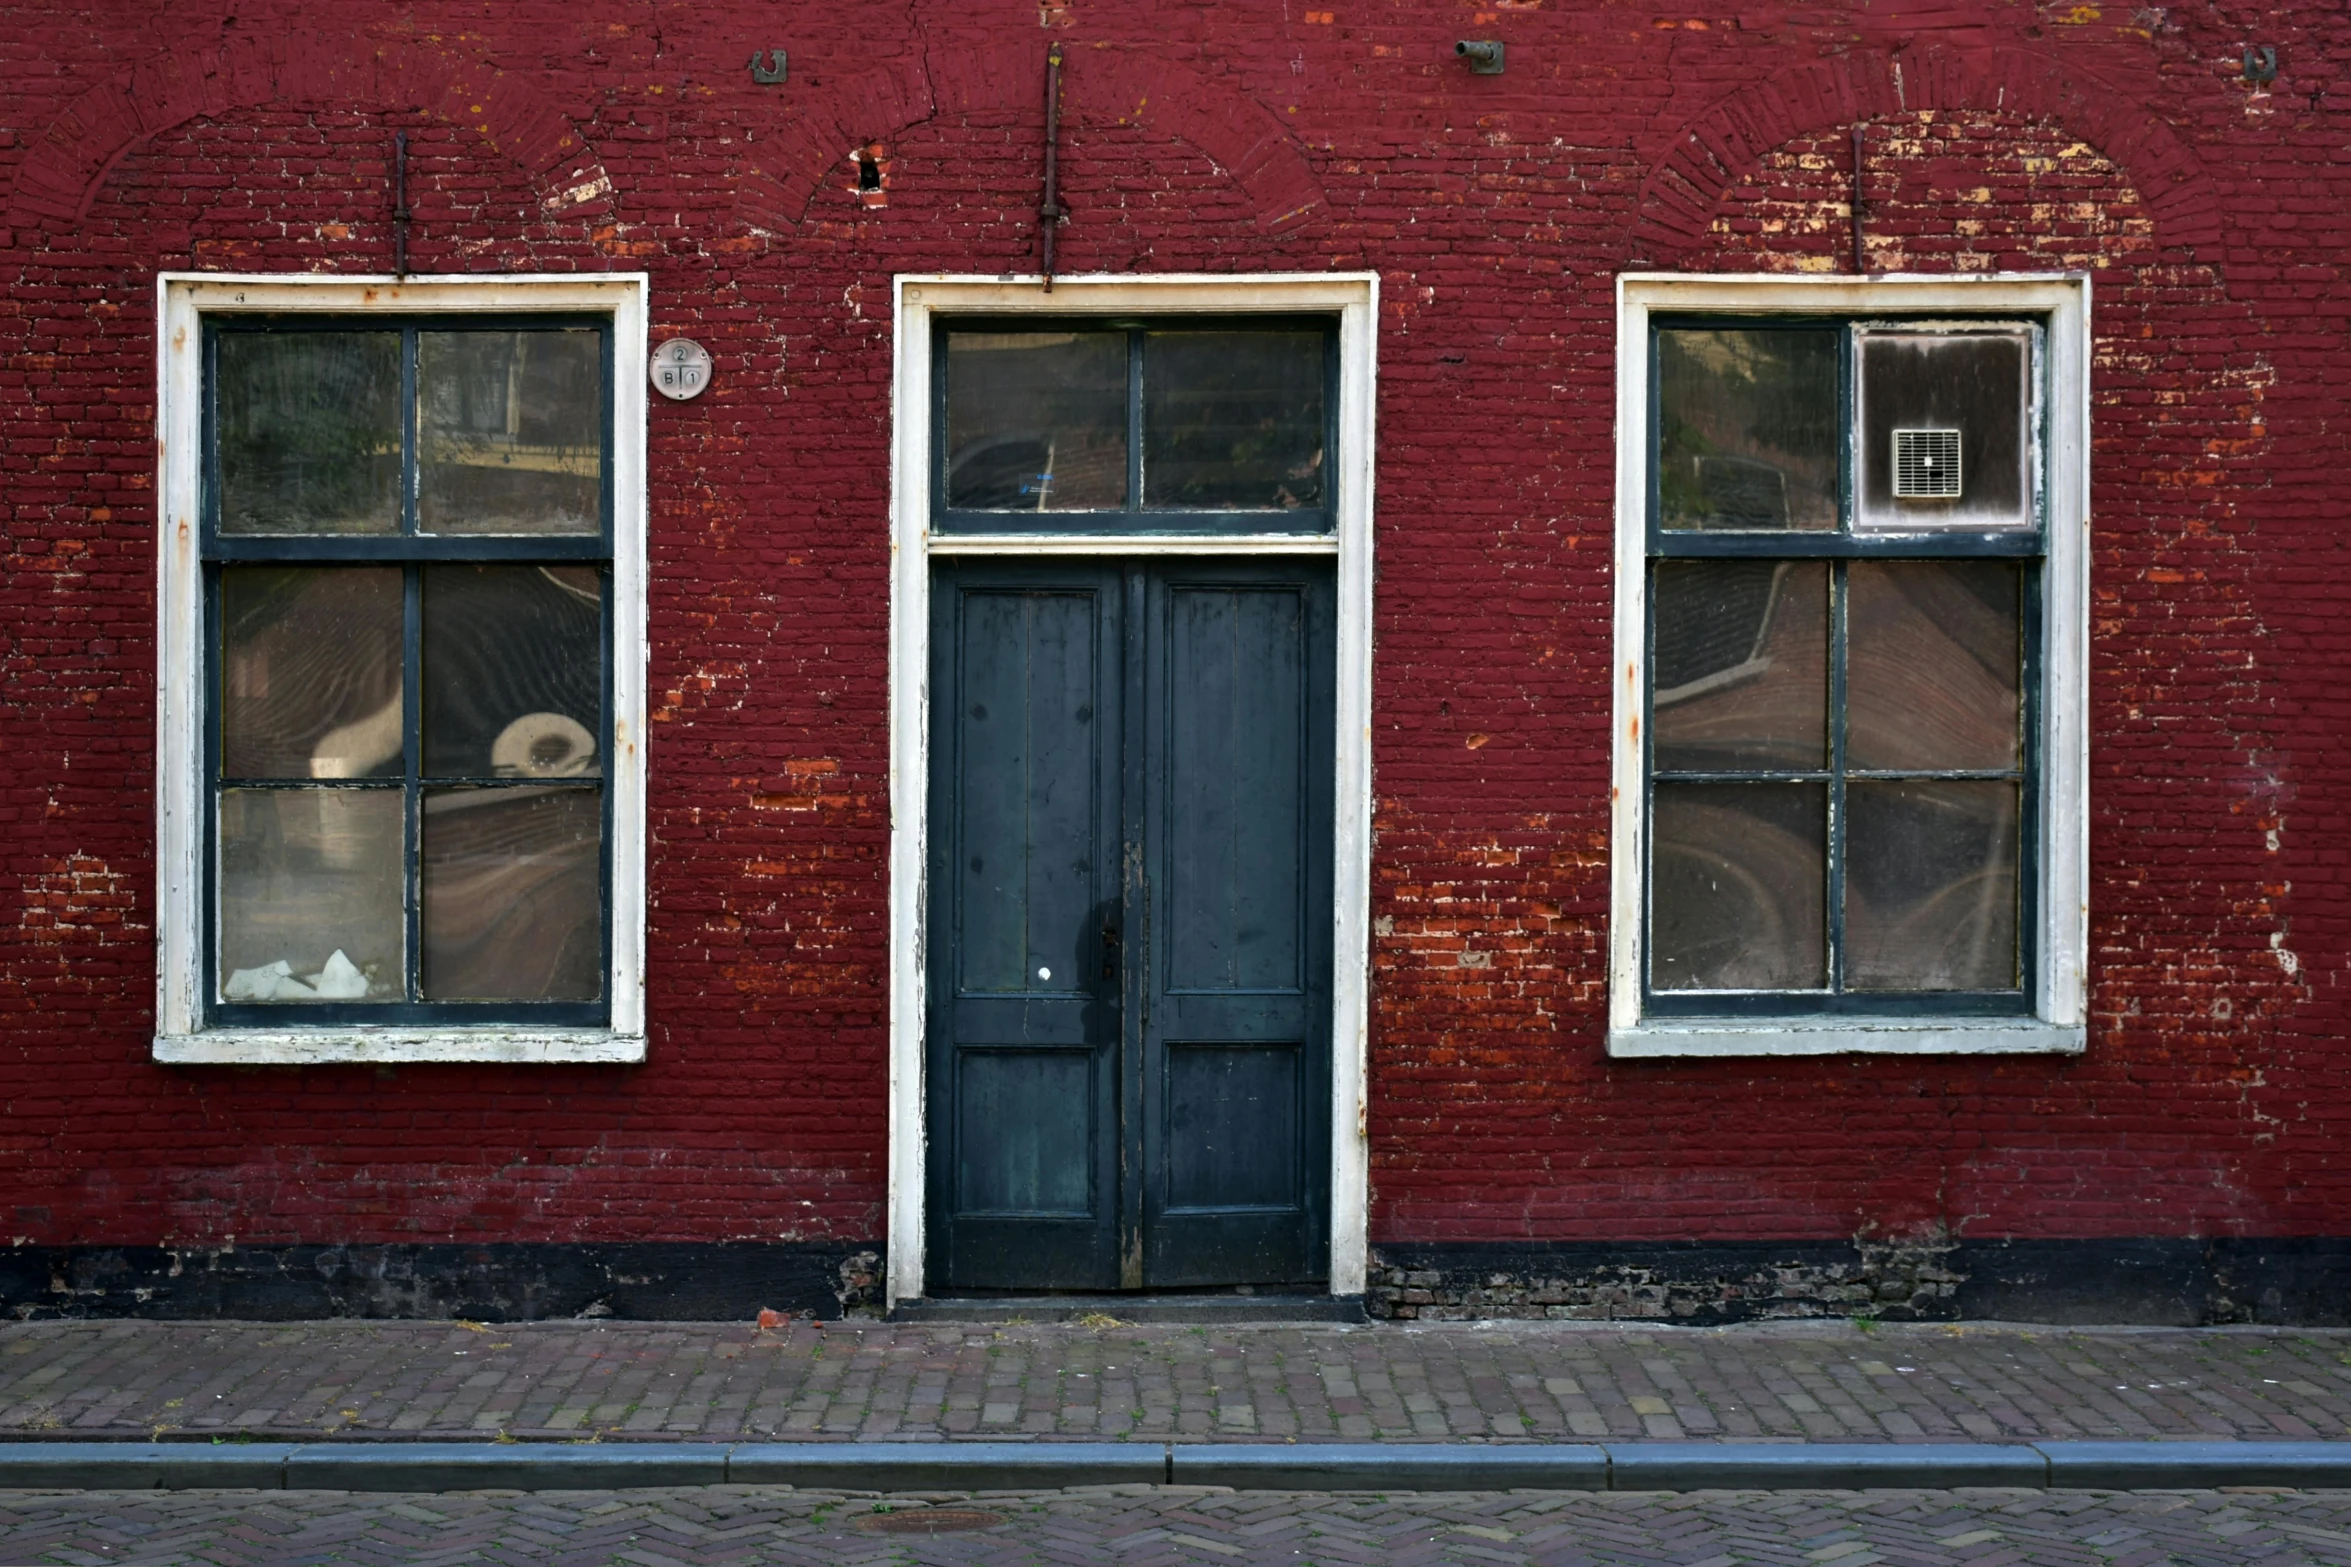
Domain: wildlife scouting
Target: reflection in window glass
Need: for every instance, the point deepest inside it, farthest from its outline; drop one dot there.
(1933, 676)
(1747, 429)
(513, 894)
(1740, 665)
(1233, 420)
(310, 685)
(308, 431)
(509, 432)
(310, 895)
(513, 671)
(1930, 885)
(1737, 889)
(1036, 421)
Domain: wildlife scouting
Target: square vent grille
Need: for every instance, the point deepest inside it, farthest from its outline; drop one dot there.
(1926, 465)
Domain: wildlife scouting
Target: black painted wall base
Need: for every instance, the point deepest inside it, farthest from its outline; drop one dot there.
(504, 1282)
(2150, 1281)
(2159, 1282)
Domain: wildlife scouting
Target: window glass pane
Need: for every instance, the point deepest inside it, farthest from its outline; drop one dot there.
(510, 432)
(1233, 420)
(1933, 664)
(513, 671)
(310, 680)
(1737, 889)
(1930, 885)
(1747, 429)
(513, 894)
(1740, 665)
(310, 902)
(308, 425)
(1943, 418)
(1037, 421)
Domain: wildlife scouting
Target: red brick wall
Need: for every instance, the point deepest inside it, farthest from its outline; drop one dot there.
(2215, 1095)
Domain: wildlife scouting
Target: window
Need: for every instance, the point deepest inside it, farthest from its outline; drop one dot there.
(1848, 535)
(412, 825)
(1175, 427)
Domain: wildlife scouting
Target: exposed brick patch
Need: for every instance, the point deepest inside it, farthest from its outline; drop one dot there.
(1720, 147)
(1657, 1284)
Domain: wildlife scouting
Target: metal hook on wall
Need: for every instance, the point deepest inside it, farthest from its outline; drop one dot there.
(770, 74)
(2261, 65)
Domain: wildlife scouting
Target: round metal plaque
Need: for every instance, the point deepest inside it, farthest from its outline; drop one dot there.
(680, 368)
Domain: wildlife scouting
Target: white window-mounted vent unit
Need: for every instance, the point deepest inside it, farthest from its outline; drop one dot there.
(1928, 395)
(1926, 465)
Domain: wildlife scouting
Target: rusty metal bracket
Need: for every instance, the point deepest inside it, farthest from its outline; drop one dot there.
(399, 204)
(772, 73)
(1050, 211)
(1860, 150)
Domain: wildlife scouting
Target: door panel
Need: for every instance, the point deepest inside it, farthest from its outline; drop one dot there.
(1013, 1162)
(1235, 788)
(1232, 1115)
(1236, 1014)
(1028, 792)
(1129, 923)
(1024, 1031)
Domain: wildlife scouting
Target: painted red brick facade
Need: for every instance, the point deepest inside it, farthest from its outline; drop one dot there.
(2214, 214)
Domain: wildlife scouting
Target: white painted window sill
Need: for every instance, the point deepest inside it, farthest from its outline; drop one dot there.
(1922, 1036)
(346, 1046)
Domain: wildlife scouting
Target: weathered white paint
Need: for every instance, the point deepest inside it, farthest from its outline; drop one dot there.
(1132, 544)
(1354, 299)
(2062, 300)
(182, 301)
(1844, 1036)
(338, 1046)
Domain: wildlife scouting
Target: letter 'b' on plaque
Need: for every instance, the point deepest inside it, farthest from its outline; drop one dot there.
(680, 369)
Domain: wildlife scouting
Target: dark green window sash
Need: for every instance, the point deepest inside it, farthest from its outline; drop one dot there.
(412, 550)
(1841, 547)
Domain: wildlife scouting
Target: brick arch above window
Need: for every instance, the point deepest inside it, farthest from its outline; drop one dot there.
(1723, 147)
(1103, 86)
(71, 158)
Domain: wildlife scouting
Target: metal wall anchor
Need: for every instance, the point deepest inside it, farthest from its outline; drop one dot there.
(771, 73)
(2261, 65)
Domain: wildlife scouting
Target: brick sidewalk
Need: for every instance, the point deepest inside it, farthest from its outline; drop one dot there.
(1544, 1381)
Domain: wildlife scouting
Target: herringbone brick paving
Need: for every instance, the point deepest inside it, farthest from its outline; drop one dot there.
(1148, 1526)
(1501, 1381)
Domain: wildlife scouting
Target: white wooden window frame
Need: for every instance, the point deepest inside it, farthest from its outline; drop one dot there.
(919, 301)
(2059, 988)
(183, 302)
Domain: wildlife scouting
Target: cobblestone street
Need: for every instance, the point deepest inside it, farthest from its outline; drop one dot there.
(574, 1381)
(1149, 1526)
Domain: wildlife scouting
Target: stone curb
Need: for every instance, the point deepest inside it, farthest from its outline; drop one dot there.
(1010, 1466)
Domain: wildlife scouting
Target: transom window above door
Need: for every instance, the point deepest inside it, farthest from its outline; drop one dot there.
(1121, 427)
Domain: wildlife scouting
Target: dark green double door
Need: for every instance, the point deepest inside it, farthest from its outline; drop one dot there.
(1129, 924)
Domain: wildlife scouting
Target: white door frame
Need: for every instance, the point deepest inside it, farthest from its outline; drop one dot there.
(1354, 298)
